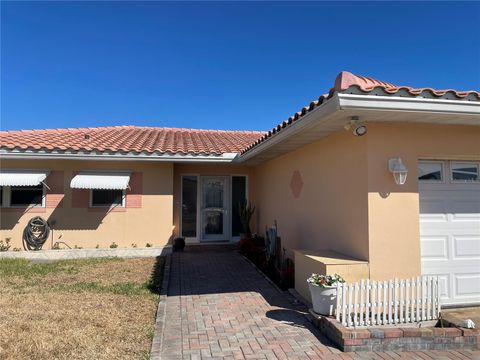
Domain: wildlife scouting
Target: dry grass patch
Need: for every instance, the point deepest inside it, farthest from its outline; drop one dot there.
(78, 309)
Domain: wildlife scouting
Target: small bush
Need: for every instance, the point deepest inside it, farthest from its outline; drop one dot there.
(97, 246)
(134, 245)
(148, 245)
(4, 246)
(17, 249)
(113, 245)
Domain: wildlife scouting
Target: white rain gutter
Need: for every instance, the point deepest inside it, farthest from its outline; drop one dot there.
(48, 155)
(395, 103)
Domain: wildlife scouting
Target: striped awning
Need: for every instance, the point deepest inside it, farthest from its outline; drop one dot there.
(101, 180)
(22, 177)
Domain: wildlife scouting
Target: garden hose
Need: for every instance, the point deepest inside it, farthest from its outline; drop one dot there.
(35, 233)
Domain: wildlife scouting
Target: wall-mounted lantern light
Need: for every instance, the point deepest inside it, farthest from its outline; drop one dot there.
(398, 169)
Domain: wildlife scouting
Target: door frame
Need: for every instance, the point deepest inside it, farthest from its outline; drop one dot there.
(198, 237)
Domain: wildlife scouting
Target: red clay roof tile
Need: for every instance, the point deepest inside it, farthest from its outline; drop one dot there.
(130, 139)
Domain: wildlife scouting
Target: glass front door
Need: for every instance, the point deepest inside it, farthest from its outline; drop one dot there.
(214, 208)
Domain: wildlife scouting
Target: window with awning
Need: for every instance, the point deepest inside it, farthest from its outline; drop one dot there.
(21, 188)
(107, 189)
(96, 180)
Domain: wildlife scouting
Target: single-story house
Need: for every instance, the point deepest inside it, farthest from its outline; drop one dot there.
(385, 176)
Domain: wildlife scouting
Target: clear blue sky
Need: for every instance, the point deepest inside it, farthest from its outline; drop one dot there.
(218, 65)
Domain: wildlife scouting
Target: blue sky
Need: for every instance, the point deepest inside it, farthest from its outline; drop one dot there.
(218, 65)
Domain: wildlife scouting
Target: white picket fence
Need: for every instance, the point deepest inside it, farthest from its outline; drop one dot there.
(368, 302)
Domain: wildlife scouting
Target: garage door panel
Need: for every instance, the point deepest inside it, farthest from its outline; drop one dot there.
(467, 285)
(434, 247)
(467, 247)
(450, 238)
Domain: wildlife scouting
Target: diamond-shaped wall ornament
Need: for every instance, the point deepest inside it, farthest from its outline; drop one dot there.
(296, 184)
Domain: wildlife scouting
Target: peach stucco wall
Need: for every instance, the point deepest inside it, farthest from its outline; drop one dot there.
(349, 202)
(317, 194)
(147, 218)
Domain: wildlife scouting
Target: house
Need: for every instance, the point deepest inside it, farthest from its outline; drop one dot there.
(375, 179)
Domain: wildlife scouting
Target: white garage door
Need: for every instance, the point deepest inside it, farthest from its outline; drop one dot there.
(450, 228)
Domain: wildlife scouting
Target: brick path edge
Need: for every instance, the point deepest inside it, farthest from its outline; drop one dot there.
(157, 341)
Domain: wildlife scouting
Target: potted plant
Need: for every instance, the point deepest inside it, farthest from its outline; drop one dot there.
(245, 211)
(179, 244)
(323, 289)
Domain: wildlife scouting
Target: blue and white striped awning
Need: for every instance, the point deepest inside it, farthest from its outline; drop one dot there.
(101, 180)
(22, 177)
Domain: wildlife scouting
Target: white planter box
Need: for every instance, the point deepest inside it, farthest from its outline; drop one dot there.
(324, 299)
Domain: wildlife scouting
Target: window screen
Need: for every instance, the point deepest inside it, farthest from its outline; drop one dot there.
(26, 195)
(107, 198)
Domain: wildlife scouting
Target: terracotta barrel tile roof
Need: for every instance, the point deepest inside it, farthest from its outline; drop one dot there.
(127, 139)
(346, 81)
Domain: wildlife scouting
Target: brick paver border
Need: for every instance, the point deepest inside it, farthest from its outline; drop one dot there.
(157, 341)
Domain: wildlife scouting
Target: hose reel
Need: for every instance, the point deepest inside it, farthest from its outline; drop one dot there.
(35, 233)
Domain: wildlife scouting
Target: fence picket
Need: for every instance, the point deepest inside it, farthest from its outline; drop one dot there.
(368, 307)
(395, 301)
(379, 308)
(339, 299)
(349, 310)
(355, 304)
(401, 288)
(344, 303)
(362, 303)
(417, 302)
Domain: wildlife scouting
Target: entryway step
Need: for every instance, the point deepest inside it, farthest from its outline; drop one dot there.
(217, 247)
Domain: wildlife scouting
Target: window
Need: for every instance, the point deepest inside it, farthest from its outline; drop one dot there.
(26, 195)
(107, 198)
(239, 195)
(464, 171)
(189, 206)
(430, 171)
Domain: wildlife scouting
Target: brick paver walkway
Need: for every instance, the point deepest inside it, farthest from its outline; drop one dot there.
(220, 307)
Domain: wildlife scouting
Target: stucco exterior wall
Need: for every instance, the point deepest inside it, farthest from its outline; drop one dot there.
(393, 210)
(349, 201)
(206, 169)
(147, 218)
(318, 196)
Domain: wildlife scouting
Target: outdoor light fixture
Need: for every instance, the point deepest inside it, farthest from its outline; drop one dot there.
(358, 128)
(398, 169)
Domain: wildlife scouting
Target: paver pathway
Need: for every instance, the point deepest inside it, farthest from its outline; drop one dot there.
(220, 307)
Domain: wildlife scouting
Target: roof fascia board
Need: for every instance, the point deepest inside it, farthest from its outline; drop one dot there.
(43, 155)
(393, 103)
(329, 107)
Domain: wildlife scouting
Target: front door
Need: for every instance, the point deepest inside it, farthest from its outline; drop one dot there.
(214, 208)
